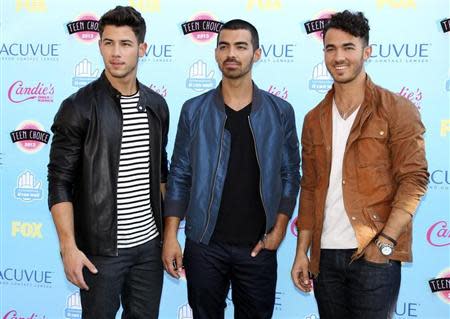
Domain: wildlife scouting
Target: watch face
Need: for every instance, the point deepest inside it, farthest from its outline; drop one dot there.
(386, 250)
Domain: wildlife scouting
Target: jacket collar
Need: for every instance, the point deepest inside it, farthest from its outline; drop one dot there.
(256, 99)
(368, 106)
(112, 90)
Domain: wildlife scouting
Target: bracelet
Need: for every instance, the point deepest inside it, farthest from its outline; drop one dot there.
(388, 238)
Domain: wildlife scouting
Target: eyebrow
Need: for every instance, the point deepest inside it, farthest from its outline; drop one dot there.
(346, 44)
(235, 43)
(120, 40)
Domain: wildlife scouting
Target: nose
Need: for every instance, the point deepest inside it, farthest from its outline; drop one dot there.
(231, 52)
(116, 50)
(339, 56)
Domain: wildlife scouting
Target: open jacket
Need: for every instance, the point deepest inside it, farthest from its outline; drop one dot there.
(384, 166)
(84, 160)
(200, 159)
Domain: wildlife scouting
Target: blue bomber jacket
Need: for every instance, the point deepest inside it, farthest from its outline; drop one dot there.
(201, 153)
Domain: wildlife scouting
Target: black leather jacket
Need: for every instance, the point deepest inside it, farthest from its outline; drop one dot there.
(84, 160)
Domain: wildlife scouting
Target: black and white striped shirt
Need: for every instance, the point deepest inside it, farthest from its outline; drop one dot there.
(135, 221)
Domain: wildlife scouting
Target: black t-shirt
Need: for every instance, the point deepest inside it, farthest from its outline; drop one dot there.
(241, 217)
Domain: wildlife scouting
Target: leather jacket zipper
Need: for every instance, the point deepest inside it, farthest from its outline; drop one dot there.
(158, 160)
(117, 172)
(260, 174)
(214, 181)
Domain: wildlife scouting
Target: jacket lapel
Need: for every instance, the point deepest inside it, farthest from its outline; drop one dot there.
(366, 109)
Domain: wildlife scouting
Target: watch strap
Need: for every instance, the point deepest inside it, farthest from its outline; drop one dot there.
(388, 238)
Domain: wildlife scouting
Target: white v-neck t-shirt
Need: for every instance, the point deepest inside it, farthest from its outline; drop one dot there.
(337, 231)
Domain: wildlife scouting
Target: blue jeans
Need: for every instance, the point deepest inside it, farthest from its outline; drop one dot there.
(211, 268)
(134, 277)
(355, 290)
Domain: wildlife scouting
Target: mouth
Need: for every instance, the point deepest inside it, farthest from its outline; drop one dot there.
(340, 67)
(116, 64)
(231, 64)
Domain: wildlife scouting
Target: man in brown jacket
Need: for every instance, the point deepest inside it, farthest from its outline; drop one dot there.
(364, 172)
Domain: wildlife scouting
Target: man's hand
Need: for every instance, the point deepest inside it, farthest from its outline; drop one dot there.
(74, 261)
(172, 257)
(374, 255)
(271, 241)
(300, 273)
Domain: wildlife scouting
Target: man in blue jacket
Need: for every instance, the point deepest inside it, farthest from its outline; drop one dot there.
(234, 177)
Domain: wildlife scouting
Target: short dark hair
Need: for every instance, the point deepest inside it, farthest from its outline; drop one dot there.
(354, 23)
(238, 24)
(124, 16)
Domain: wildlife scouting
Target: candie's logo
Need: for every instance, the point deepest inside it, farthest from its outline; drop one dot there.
(280, 91)
(31, 5)
(315, 26)
(29, 188)
(413, 95)
(445, 24)
(441, 285)
(438, 235)
(30, 136)
(85, 28)
(396, 4)
(202, 28)
(266, 5)
(14, 314)
(19, 92)
(161, 90)
(321, 80)
(293, 227)
(146, 5)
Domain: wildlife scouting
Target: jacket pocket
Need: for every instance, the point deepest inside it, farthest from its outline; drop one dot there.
(372, 144)
(320, 155)
(377, 217)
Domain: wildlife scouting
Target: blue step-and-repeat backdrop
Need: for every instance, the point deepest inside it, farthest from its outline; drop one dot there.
(48, 50)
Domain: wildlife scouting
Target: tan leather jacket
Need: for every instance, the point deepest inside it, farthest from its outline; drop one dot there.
(384, 167)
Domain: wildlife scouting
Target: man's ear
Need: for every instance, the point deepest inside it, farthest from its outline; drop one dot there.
(142, 49)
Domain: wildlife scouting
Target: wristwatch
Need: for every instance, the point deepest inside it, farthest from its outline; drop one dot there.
(386, 249)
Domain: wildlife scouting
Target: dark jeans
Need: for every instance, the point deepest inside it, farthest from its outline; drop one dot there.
(355, 290)
(211, 268)
(134, 278)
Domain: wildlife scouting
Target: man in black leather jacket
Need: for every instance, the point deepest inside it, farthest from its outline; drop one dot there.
(107, 171)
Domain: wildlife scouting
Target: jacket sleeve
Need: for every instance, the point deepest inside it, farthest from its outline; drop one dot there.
(308, 183)
(165, 131)
(409, 165)
(68, 136)
(290, 166)
(179, 181)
